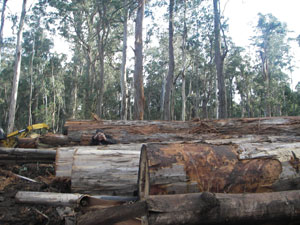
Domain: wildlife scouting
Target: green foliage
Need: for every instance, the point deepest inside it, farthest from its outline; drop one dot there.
(63, 89)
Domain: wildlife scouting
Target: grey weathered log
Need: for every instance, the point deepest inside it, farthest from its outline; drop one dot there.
(104, 170)
(113, 215)
(72, 200)
(64, 161)
(231, 208)
(187, 167)
(50, 198)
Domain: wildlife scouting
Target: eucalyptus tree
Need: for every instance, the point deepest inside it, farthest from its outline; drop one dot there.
(123, 78)
(273, 50)
(139, 99)
(219, 60)
(17, 66)
(2, 25)
(170, 77)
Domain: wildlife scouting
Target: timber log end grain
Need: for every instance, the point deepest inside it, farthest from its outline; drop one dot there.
(177, 168)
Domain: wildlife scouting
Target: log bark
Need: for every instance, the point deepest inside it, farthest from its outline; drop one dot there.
(100, 170)
(85, 202)
(65, 156)
(64, 161)
(20, 155)
(26, 142)
(50, 198)
(177, 168)
(113, 215)
(105, 172)
(54, 139)
(159, 131)
(224, 208)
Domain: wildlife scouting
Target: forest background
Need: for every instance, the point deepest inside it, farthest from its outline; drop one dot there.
(182, 65)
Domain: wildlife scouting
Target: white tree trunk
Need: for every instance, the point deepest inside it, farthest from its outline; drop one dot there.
(123, 80)
(17, 68)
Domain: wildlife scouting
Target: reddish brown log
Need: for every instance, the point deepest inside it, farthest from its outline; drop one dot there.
(194, 167)
(26, 142)
(159, 131)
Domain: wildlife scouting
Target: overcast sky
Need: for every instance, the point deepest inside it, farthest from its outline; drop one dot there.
(242, 16)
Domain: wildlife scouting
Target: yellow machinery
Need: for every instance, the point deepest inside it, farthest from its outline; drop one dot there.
(10, 139)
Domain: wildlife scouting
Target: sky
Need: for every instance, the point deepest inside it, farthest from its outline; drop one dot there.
(242, 17)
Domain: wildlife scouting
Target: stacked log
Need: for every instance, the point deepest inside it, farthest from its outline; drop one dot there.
(160, 131)
(207, 208)
(101, 170)
(178, 168)
(27, 155)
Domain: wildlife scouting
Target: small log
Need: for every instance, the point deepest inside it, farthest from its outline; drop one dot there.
(75, 200)
(54, 139)
(225, 208)
(50, 198)
(112, 170)
(17, 155)
(178, 168)
(113, 215)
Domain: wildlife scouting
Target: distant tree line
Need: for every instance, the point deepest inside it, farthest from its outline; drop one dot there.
(183, 63)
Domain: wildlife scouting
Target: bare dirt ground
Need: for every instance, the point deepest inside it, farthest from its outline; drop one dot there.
(12, 212)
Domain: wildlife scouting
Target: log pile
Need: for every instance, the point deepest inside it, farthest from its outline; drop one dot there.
(195, 172)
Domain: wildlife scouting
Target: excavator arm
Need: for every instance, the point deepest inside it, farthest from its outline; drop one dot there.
(10, 140)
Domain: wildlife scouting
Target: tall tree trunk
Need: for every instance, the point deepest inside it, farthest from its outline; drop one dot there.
(162, 96)
(184, 37)
(219, 60)
(2, 26)
(101, 78)
(123, 80)
(139, 99)
(54, 96)
(169, 83)
(17, 68)
(31, 83)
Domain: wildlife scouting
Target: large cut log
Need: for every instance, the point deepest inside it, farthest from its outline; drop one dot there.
(159, 131)
(130, 131)
(177, 168)
(101, 170)
(191, 209)
(20, 155)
